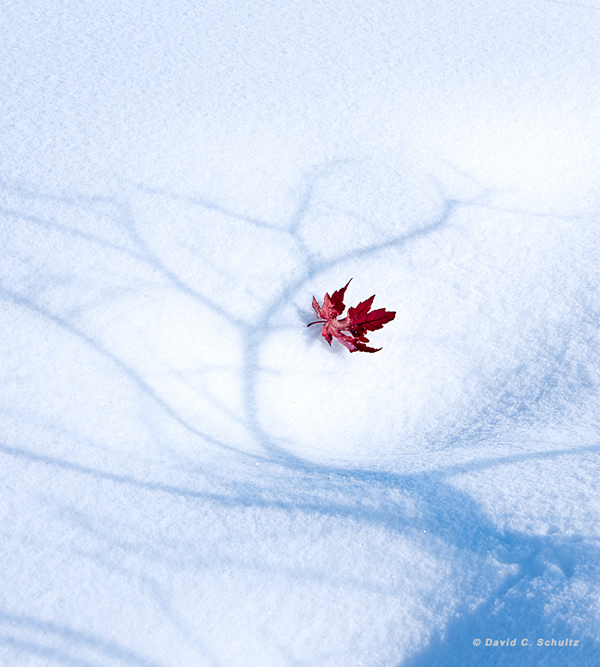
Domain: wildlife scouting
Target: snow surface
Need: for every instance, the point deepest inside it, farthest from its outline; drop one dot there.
(190, 475)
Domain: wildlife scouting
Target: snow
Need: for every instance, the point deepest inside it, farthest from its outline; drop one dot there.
(190, 475)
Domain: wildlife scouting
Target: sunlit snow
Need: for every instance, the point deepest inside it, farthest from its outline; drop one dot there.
(190, 475)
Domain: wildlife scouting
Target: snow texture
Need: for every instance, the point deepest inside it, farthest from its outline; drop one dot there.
(190, 475)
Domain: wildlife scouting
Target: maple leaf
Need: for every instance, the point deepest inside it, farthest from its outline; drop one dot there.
(352, 329)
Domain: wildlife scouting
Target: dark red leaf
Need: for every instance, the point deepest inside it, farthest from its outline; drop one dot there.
(350, 331)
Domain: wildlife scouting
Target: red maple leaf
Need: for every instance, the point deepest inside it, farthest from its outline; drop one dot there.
(352, 329)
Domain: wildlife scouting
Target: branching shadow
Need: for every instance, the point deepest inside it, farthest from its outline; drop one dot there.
(64, 645)
(288, 483)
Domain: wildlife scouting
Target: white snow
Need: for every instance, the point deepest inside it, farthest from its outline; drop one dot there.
(190, 475)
